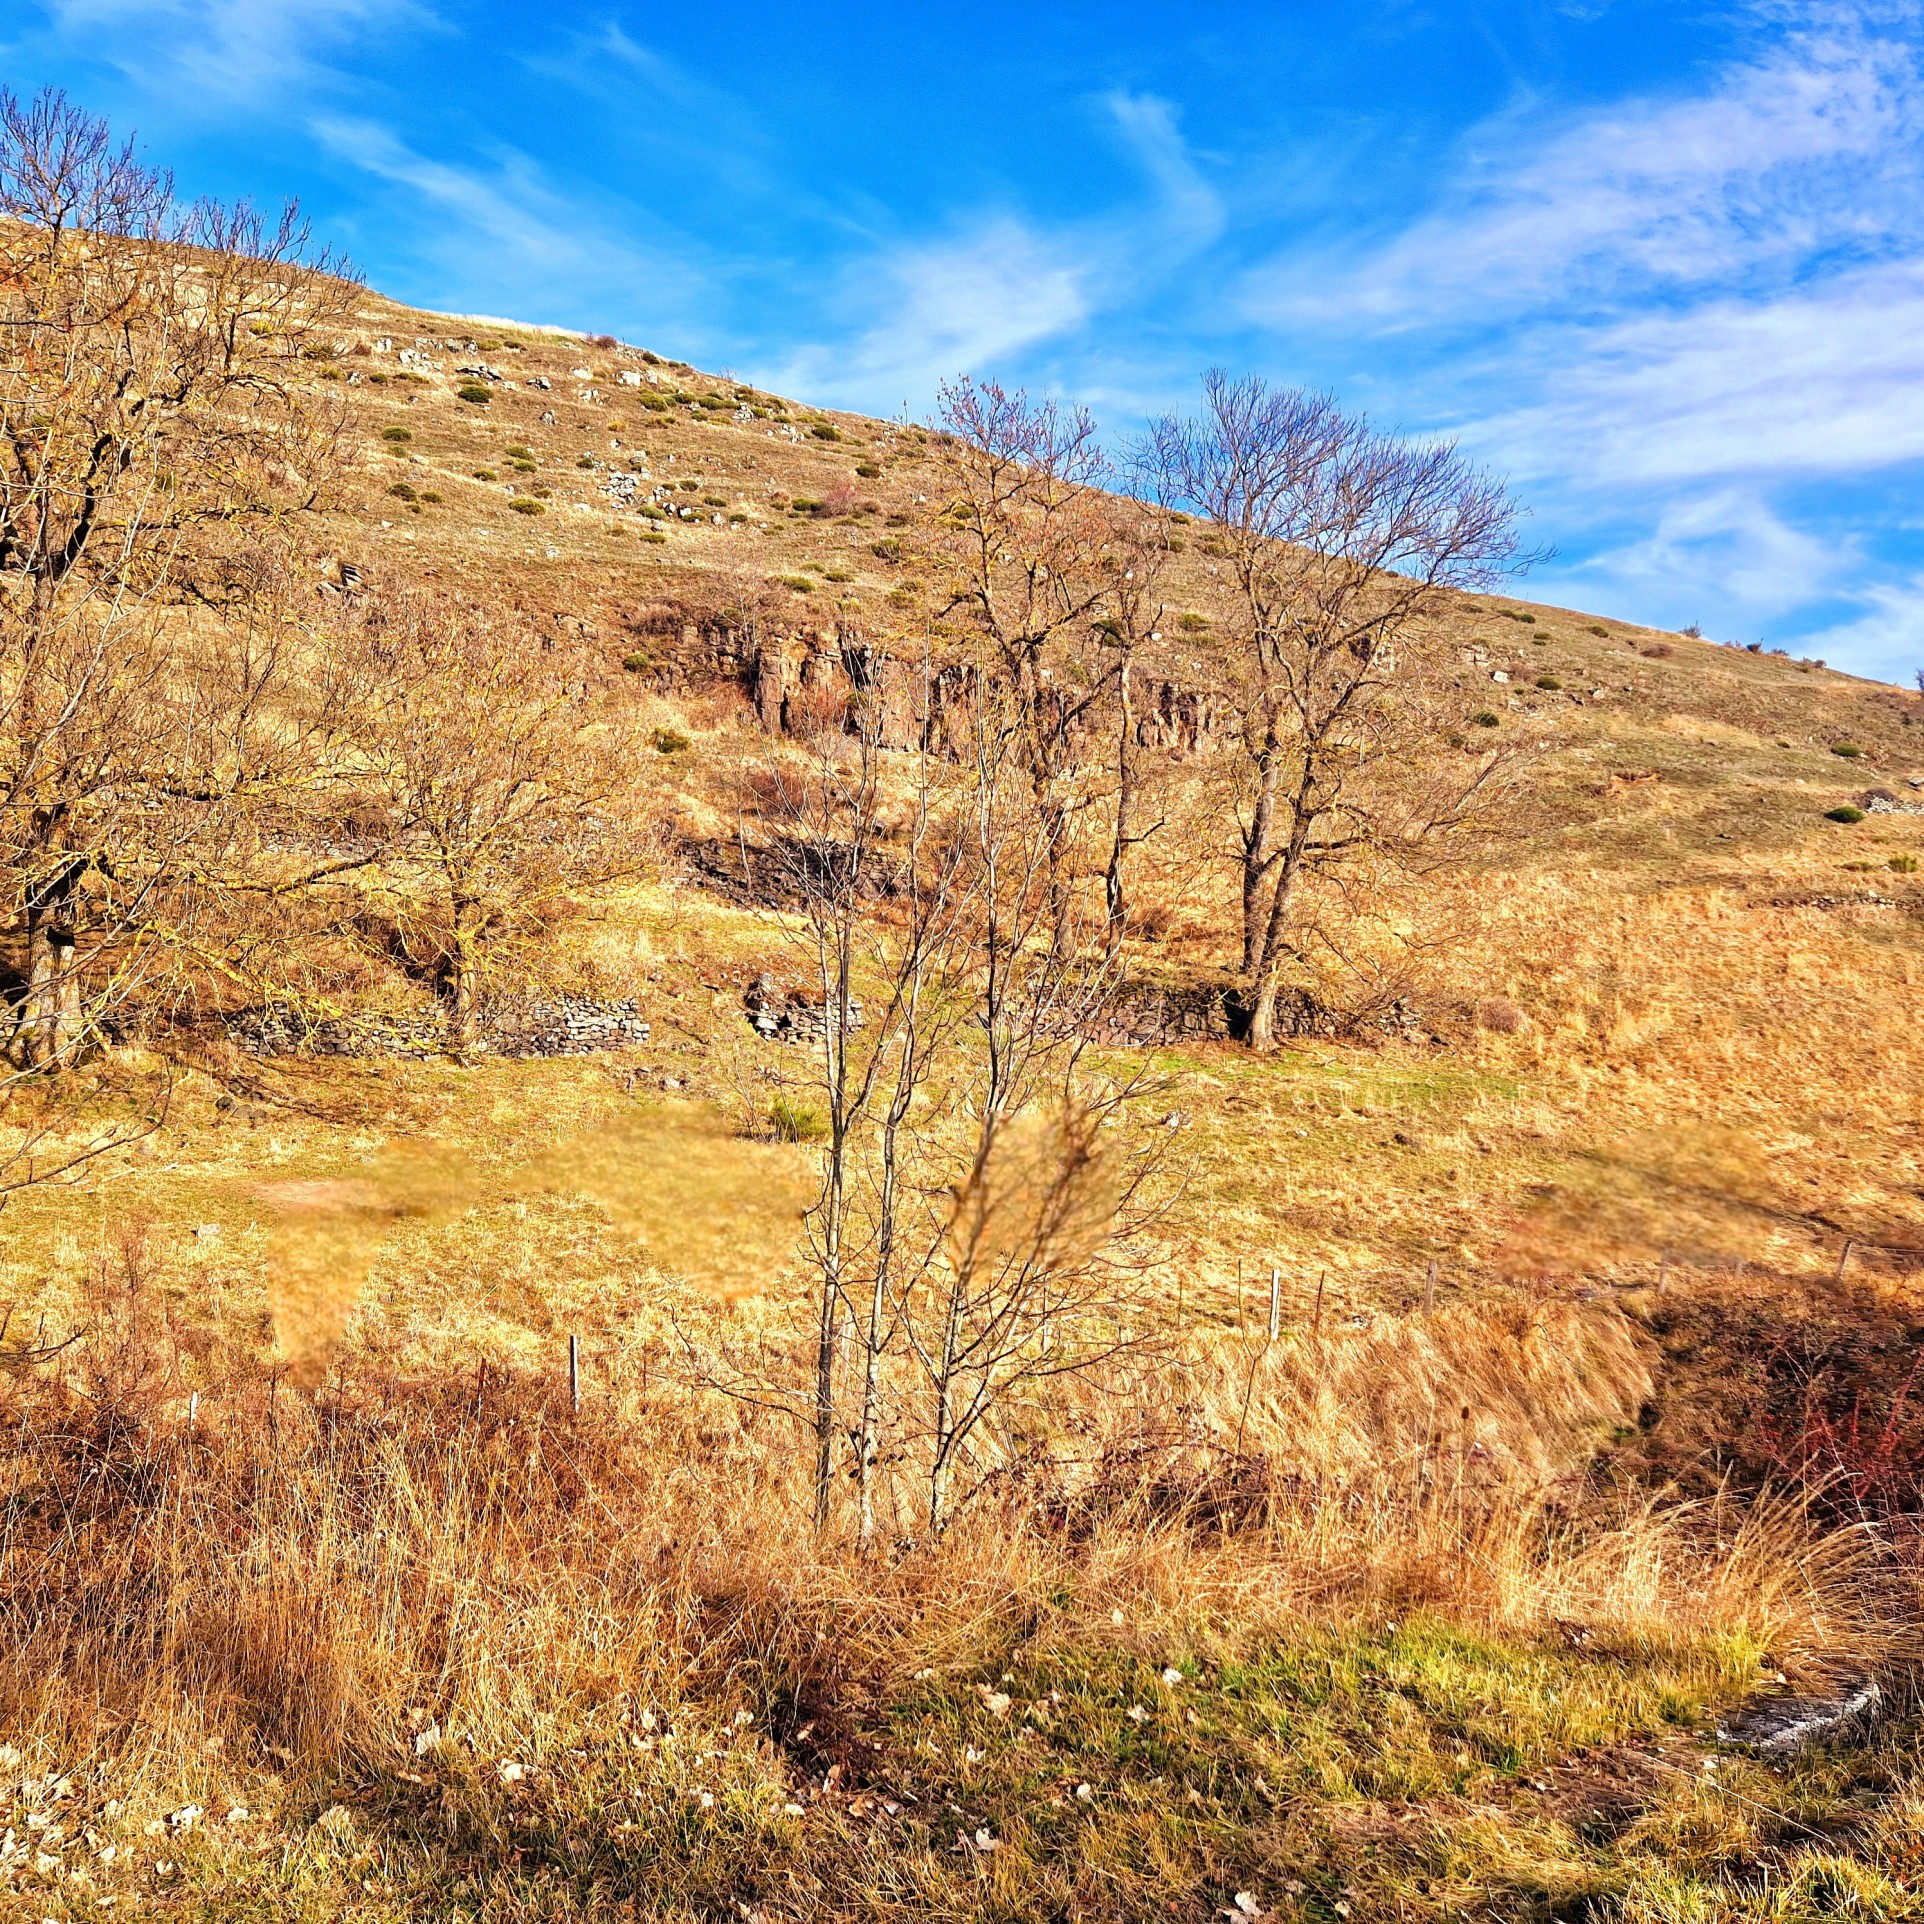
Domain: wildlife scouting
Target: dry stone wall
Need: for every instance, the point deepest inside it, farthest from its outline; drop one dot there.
(561, 1025)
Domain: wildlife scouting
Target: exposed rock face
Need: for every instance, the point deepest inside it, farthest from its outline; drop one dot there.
(562, 1025)
(794, 671)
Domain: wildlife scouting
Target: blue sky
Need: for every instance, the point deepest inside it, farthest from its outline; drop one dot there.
(1662, 265)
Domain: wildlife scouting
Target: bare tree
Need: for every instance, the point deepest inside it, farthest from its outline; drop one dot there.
(1341, 543)
(1140, 553)
(491, 777)
(882, 908)
(153, 416)
(973, 1190)
(1026, 1281)
(1029, 535)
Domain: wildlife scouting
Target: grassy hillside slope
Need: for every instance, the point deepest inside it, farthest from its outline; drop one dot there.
(1426, 1610)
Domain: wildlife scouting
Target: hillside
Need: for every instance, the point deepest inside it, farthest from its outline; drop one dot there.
(1707, 975)
(408, 1534)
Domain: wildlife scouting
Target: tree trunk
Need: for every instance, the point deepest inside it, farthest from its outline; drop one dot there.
(50, 1013)
(467, 919)
(1258, 856)
(1115, 882)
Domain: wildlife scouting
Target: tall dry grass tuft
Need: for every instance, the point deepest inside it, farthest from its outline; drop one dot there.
(305, 1581)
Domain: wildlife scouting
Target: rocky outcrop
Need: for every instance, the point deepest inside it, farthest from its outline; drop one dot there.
(794, 671)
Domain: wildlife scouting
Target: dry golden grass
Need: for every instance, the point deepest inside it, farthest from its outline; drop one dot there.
(427, 1643)
(306, 1525)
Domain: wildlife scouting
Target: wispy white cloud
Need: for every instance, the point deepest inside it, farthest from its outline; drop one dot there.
(1724, 556)
(1886, 639)
(1674, 317)
(505, 227)
(955, 306)
(1806, 149)
(224, 51)
(1003, 286)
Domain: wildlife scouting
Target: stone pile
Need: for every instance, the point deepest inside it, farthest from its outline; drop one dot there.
(788, 1016)
(1881, 801)
(561, 1025)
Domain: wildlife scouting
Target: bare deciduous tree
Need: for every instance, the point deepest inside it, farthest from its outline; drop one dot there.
(1340, 543)
(1029, 534)
(151, 415)
(492, 779)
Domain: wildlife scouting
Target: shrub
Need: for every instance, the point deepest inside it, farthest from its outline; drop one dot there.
(584, 460)
(1904, 864)
(637, 663)
(867, 470)
(606, 342)
(654, 403)
(401, 491)
(825, 431)
(1694, 631)
(525, 506)
(1659, 651)
(1192, 624)
(1849, 750)
(1597, 628)
(653, 534)
(1549, 682)
(1485, 719)
(690, 487)
(717, 403)
(522, 467)
(800, 583)
(715, 500)
(430, 494)
(653, 360)
(485, 474)
(396, 434)
(887, 549)
(1500, 1015)
(898, 521)
(516, 452)
(668, 741)
(474, 393)
(836, 574)
(737, 517)
(795, 1121)
(1848, 813)
(652, 512)
(377, 378)
(804, 504)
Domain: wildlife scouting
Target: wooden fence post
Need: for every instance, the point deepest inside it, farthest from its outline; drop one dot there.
(574, 1372)
(1275, 1302)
